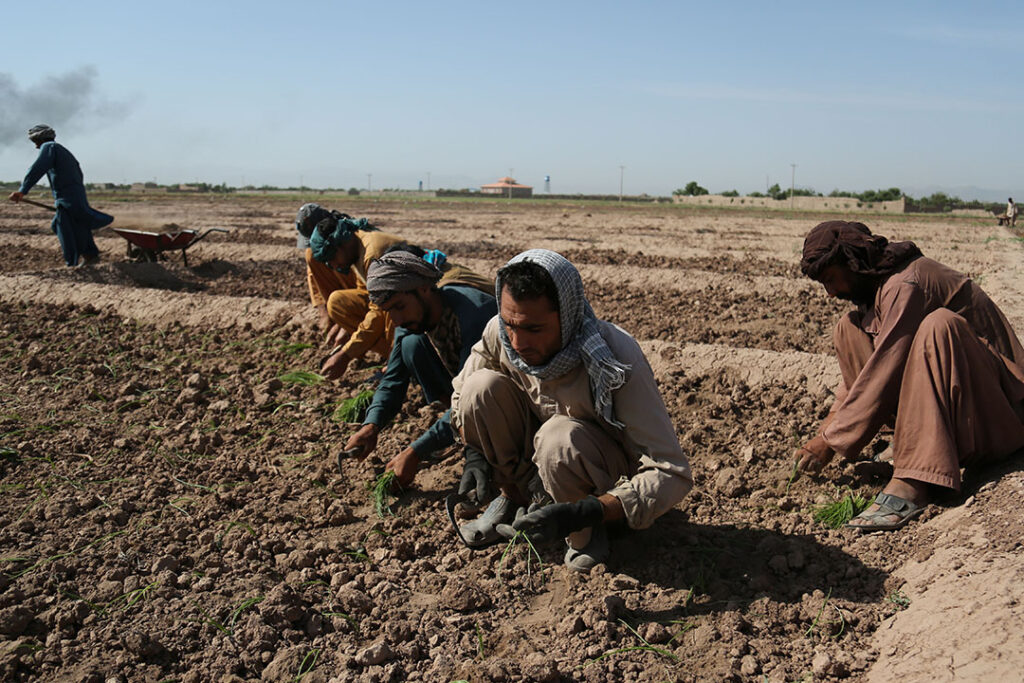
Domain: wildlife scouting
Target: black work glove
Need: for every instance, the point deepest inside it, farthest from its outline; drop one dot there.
(476, 476)
(560, 519)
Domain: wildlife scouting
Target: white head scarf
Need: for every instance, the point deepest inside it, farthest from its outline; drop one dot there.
(581, 338)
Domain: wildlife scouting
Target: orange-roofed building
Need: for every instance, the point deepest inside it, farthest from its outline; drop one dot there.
(507, 187)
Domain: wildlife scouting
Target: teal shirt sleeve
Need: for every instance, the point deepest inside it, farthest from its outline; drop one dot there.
(440, 435)
(474, 310)
(391, 391)
(43, 164)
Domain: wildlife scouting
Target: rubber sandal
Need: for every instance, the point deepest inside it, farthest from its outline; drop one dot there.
(482, 532)
(888, 504)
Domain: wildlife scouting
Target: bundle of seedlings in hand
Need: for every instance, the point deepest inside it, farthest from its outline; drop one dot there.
(836, 514)
(303, 377)
(354, 409)
(380, 492)
(532, 556)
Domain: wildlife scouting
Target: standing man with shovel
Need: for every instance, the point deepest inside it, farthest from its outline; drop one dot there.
(73, 220)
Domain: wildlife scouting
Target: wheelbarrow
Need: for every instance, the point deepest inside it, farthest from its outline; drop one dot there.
(144, 245)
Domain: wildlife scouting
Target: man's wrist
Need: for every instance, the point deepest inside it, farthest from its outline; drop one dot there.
(611, 507)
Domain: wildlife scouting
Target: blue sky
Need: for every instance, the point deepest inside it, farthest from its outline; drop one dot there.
(917, 95)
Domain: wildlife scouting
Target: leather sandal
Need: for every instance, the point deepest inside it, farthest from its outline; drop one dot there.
(888, 505)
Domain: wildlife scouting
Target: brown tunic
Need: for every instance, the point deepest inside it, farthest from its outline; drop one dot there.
(937, 348)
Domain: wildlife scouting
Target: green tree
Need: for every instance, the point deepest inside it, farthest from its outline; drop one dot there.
(692, 189)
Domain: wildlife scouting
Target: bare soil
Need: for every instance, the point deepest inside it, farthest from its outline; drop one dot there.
(173, 509)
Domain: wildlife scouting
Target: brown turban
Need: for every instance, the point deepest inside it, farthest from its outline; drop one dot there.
(848, 243)
(398, 271)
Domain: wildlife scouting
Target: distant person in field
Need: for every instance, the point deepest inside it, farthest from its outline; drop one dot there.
(340, 252)
(926, 352)
(1010, 217)
(74, 220)
(436, 325)
(560, 410)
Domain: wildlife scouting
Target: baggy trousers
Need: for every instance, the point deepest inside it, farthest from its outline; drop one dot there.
(575, 458)
(72, 227)
(347, 307)
(953, 409)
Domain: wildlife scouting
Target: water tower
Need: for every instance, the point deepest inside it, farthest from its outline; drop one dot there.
(547, 184)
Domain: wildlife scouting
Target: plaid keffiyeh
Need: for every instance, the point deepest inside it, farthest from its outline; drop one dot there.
(581, 338)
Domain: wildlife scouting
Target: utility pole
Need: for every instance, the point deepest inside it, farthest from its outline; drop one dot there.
(792, 186)
(510, 181)
(622, 173)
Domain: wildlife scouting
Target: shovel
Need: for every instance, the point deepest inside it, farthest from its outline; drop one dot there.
(35, 203)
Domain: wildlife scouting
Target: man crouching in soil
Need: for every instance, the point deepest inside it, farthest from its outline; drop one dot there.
(436, 328)
(554, 401)
(925, 348)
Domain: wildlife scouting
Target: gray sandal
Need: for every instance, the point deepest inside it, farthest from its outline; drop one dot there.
(888, 504)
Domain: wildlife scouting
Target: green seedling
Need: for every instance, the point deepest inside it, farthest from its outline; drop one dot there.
(177, 504)
(195, 486)
(380, 492)
(814, 624)
(347, 617)
(219, 538)
(132, 597)
(898, 598)
(792, 475)
(308, 663)
(646, 647)
(836, 514)
(685, 626)
(245, 604)
(102, 540)
(520, 538)
(294, 349)
(479, 642)
(353, 409)
(94, 607)
(303, 377)
(286, 404)
(210, 621)
(358, 552)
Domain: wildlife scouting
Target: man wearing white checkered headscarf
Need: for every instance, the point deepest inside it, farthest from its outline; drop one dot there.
(555, 404)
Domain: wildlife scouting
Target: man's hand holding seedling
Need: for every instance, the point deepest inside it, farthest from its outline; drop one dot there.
(335, 366)
(404, 465)
(814, 454)
(365, 440)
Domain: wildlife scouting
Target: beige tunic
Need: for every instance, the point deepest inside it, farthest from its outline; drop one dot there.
(658, 472)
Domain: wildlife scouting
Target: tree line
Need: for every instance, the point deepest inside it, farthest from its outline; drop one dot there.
(938, 202)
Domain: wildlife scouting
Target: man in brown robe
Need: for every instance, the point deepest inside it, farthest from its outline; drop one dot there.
(926, 351)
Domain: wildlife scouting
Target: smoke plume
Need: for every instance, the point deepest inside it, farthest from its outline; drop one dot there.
(63, 101)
